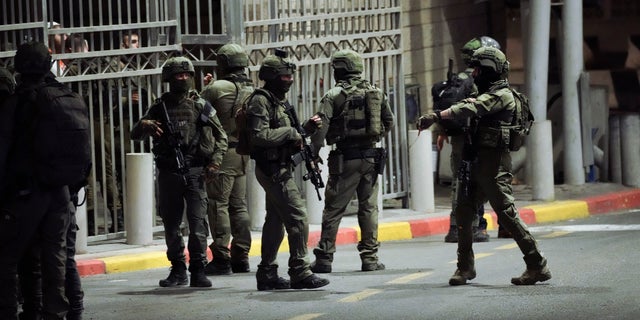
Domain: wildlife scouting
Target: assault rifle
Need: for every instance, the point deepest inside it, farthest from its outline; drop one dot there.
(463, 190)
(306, 154)
(173, 139)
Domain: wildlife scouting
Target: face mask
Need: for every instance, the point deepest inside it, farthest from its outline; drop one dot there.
(180, 86)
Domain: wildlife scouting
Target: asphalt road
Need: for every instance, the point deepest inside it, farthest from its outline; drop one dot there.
(595, 264)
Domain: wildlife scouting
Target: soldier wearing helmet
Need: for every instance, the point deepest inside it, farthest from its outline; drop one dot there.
(273, 140)
(445, 94)
(490, 176)
(227, 210)
(30, 207)
(358, 117)
(188, 146)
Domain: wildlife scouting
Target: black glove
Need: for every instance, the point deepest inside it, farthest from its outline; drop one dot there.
(426, 121)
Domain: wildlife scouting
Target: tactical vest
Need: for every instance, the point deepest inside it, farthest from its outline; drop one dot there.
(357, 113)
(195, 138)
(278, 118)
(230, 93)
(493, 130)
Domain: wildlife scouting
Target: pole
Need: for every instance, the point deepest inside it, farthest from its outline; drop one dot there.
(139, 211)
(421, 172)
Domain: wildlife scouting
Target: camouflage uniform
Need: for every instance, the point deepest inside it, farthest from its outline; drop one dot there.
(273, 141)
(359, 159)
(491, 174)
(227, 211)
(197, 125)
(457, 139)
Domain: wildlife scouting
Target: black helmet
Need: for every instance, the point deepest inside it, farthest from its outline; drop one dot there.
(32, 58)
(475, 44)
(276, 65)
(177, 65)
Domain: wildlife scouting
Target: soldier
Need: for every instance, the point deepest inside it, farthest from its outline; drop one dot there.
(273, 141)
(35, 197)
(183, 126)
(227, 211)
(445, 94)
(358, 117)
(493, 110)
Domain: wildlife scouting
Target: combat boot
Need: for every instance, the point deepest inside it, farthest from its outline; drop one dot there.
(310, 282)
(318, 267)
(268, 279)
(531, 276)
(372, 266)
(480, 235)
(199, 279)
(460, 277)
(217, 269)
(452, 235)
(240, 267)
(177, 276)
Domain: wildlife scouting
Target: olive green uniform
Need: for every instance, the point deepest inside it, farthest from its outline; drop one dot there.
(272, 144)
(491, 174)
(227, 211)
(360, 161)
(199, 149)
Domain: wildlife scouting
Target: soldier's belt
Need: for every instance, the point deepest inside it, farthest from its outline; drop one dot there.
(351, 154)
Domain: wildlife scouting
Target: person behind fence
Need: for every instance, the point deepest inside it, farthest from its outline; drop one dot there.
(35, 182)
(188, 146)
(455, 88)
(228, 215)
(493, 112)
(356, 116)
(273, 140)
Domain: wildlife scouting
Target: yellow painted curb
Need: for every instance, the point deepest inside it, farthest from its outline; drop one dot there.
(560, 210)
(489, 219)
(135, 262)
(256, 247)
(394, 231)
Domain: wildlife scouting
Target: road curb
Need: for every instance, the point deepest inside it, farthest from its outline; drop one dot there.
(400, 230)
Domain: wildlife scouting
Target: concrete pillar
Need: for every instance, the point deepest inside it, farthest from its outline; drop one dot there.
(256, 198)
(315, 206)
(421, 172)
(139, 211)
(81, 221)
(573, 65)
(630, 149)
(539, 143)
(615, 154)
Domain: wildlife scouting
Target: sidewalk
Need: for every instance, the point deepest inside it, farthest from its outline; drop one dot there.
(572, 202)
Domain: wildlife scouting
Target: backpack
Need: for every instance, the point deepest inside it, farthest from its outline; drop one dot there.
(359, 116)
(242, 133)
(522, 121)
(447, 93)
(60, 133)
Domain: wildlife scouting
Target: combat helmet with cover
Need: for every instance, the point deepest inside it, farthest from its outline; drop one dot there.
(476, 43)
(232, 56)
(348, 60)
(276, 65)
(177, 65)
(493, 59)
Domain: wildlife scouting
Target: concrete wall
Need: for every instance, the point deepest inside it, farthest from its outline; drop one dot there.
(435, 30)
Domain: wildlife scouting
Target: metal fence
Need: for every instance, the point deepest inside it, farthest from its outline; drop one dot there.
(119, 80)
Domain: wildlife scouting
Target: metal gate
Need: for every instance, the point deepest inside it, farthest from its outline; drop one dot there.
(120, 81)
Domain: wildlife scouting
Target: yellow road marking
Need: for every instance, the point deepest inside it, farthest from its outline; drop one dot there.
(555, 234)
(476, 256)
(308, 316)
(508, 246)
(410, 277)
(360, 295)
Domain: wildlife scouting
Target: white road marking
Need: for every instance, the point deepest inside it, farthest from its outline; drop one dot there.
(587, 228)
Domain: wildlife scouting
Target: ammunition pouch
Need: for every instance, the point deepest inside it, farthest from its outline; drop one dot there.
(336, 162)
(496, 138)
